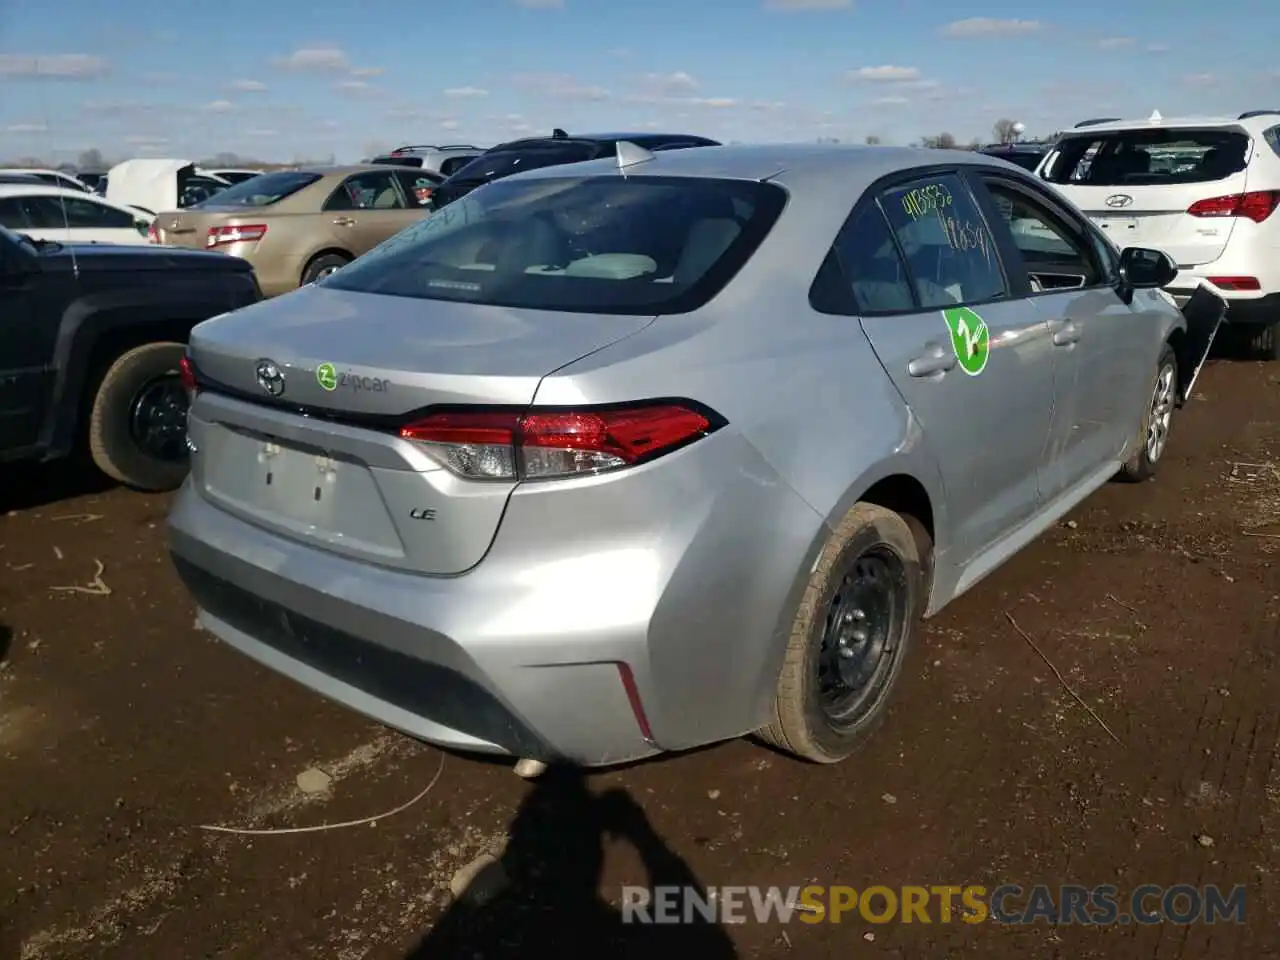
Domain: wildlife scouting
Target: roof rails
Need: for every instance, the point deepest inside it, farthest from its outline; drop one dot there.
(1250, 114)
(1096, 121)
(459, 146)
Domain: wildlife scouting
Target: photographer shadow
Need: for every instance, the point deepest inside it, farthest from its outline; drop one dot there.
(550, 900)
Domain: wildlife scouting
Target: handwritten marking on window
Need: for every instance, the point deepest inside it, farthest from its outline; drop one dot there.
(965, 236)
(931, 198)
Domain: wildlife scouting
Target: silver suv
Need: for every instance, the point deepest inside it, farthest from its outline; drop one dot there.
(444, 160)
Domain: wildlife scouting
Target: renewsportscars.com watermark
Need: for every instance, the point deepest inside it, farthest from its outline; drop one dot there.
(1147, 904)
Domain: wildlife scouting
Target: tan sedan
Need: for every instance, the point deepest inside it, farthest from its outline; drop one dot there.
(296, 226)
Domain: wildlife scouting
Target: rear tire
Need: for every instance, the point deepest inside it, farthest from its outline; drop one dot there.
(1264, 341)
(323, 265)
(138, 419)
(850, 638)
(1153, 435)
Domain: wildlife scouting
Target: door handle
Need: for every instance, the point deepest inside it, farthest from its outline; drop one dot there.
(935, 360)
(344, 221)
(1066, 335)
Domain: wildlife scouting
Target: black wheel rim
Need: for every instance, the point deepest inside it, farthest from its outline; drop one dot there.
(158, 419)
(861, 637)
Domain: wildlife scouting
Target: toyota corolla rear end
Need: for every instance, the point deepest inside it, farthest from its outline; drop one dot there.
(380, 508)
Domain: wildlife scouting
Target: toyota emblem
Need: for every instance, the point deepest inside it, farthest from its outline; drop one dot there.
(1119, 200)
(270, 378)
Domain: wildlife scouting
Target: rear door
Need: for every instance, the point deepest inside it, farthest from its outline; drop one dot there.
(967, 352)
(1161, 187)
(369, 207)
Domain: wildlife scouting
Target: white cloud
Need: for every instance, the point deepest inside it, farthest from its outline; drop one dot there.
(448, 124)
(766, 106)
(219, 106)
(315, 60)
(990, 27)
(26, 128)
(559, 86)
(1200, 80)
(356, 88)
(261, 132)
(669, 84)
(807, 4)
(717, 103)
(367, 71)
(885, 74)
(1115, 43)
(63, 66)
(1157, 48)
(247, 86)
(466, 92)
(889, 101)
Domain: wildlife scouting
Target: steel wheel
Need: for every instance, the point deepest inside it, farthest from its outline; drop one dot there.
(158, 419)
(1162, 404)
(861, 637)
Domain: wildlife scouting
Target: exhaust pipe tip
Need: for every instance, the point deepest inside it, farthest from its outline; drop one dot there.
(528, 769)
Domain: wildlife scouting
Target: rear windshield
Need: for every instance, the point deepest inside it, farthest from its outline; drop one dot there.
(1134, 157)
(262, 190)
(503, 163)
(634, 245)
(405, 161)
(1026, 159)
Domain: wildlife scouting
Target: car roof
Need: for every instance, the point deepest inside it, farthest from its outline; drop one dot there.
(342, 170)
(37, 170)
(45, 190)
(1261, 121)
(796, 165)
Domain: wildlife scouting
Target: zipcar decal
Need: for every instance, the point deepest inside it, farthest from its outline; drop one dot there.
(970, 339)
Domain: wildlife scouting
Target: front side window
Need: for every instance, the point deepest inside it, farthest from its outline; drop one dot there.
(1055, 255)
(1151, 157)
(374, 190)
(86, 214)
(623, 245)
(948, 247)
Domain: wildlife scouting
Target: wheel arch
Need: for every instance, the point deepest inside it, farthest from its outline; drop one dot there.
(324, 252)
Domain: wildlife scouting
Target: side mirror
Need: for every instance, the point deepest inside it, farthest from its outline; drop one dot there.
(1142, 268)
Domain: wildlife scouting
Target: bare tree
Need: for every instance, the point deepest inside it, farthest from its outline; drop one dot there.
(942, 141)
(872, 141)
(1004, 130)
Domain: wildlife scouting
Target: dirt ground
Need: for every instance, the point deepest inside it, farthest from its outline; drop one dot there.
(123, 730)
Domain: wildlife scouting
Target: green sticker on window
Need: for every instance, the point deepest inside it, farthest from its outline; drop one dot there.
(969, 338)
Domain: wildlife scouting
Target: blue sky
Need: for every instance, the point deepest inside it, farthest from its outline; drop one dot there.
(292, 79)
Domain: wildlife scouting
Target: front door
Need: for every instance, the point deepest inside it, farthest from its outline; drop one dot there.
(971, 358)
(1096, 336)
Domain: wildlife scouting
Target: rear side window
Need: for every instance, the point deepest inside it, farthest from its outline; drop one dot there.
(871, 277)
(949, 249)
(1149, 157)
(621, 245)
(262, 190)
(1272, 136)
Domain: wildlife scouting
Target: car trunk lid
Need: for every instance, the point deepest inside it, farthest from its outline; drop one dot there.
(296, 426)
(191, 228)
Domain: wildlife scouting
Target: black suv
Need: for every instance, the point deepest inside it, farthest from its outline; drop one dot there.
(92, 338)
(518, 155)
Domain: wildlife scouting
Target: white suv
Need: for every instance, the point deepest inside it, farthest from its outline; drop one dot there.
(1204, 190)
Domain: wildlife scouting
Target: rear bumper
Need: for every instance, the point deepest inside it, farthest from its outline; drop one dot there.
(690, 589)
(1247, 310)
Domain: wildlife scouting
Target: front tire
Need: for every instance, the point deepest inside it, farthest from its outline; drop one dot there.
(850, 638)
(138, 419)
(1153, 438)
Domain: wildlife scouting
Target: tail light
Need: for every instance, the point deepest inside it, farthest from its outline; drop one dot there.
(153, 235)
(187, 371)
(1235, 283)
(1255, 206)
(551, 444)
(245, 232)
